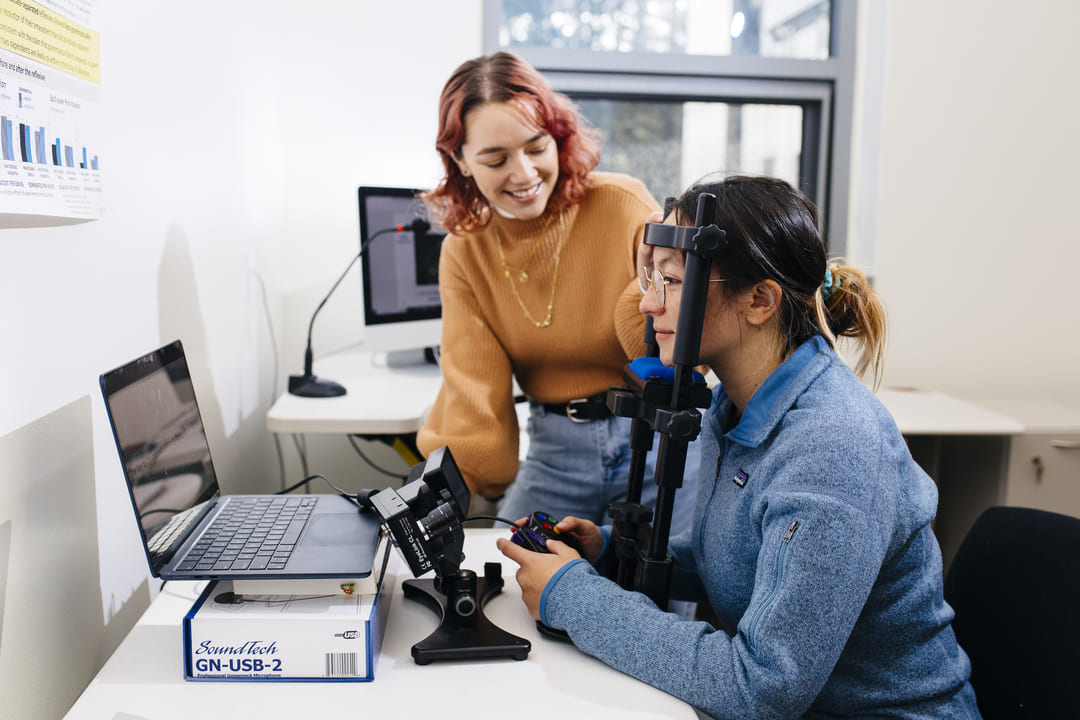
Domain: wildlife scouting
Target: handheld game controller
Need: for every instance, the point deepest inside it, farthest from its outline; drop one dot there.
(537, 530)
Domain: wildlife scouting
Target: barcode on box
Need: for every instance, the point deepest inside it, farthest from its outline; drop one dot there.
(341, 664)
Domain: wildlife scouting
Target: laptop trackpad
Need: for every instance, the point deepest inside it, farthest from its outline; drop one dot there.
(336, 529)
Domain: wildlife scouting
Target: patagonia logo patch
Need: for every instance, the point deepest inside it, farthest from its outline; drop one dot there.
(740, 478)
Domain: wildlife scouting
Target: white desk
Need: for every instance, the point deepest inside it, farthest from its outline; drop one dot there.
(379, 400)
(383, 400)
(929, 412)
(143, 680)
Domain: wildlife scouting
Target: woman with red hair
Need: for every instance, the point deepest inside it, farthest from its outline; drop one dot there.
(538, 283)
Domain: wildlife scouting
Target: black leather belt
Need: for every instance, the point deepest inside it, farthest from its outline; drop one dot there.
(581, 409)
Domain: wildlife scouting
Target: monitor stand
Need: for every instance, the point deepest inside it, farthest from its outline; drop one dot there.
(411, 358)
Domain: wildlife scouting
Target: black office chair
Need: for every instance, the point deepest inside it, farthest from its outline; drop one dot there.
(1015, 587)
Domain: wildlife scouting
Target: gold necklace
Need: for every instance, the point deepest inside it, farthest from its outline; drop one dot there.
(522, 275)
(546, 322)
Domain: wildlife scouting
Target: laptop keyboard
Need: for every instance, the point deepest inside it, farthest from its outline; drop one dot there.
(163, 539)
(256, 533)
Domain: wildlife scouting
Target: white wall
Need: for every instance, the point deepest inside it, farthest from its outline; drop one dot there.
(235, 136)
(977, 186)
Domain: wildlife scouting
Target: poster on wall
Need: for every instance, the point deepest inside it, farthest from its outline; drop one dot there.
(50, 78)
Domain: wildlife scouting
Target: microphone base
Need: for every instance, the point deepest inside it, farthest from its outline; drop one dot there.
(311, 386)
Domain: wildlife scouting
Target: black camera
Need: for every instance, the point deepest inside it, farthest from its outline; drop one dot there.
(424, 516)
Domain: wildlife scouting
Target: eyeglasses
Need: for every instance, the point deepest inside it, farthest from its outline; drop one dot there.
(659, 283)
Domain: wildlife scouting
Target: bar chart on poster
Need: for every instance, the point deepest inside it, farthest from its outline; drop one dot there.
(50, 77)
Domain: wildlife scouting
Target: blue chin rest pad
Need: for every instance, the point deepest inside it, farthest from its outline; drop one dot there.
(648, 368)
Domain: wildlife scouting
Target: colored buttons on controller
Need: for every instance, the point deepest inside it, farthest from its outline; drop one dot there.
(547, 522)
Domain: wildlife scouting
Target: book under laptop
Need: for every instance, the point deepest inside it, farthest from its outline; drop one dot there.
(190, 531)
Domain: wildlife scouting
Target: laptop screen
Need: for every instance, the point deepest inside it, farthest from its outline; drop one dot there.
(162, 443)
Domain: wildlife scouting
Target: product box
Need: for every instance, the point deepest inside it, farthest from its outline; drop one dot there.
(301, 637)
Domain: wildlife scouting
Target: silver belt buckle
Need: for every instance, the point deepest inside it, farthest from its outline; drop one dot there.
(572, 410)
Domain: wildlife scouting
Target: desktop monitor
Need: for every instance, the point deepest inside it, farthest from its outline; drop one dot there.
(399, 273)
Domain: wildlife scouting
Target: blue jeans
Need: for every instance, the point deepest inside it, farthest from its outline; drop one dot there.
(580, 468)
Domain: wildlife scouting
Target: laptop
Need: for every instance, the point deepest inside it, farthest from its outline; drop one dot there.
(190, 531)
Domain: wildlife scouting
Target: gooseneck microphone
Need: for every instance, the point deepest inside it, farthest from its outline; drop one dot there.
(307, 385)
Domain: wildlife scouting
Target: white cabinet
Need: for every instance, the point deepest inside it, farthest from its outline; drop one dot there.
(1043, 462)
(1044, 472)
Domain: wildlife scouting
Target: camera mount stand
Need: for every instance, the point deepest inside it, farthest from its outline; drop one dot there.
(464, 632)
(424, 518)
(663, 400)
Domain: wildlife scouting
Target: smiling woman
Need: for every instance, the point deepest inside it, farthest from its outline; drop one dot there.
(517, 165)
(530, 224)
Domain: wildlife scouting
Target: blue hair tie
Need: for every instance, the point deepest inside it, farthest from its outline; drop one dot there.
(828, 285)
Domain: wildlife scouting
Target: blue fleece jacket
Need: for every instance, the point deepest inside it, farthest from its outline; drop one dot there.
(812, 543)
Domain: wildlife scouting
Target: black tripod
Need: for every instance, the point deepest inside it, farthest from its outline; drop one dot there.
(663, 400)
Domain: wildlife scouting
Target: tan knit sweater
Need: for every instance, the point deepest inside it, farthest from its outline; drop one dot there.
(487, 338)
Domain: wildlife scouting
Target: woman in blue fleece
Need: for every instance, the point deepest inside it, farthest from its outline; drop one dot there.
(811, 539)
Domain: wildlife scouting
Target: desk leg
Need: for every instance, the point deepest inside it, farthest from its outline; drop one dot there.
(465, 637)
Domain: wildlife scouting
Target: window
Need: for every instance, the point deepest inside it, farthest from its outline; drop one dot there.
(669, 144)
(682, 88)
(769, 28)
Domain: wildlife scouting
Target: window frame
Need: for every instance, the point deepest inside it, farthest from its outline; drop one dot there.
(823, 88)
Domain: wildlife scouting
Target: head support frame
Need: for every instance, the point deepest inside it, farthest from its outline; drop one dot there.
(701, 243)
